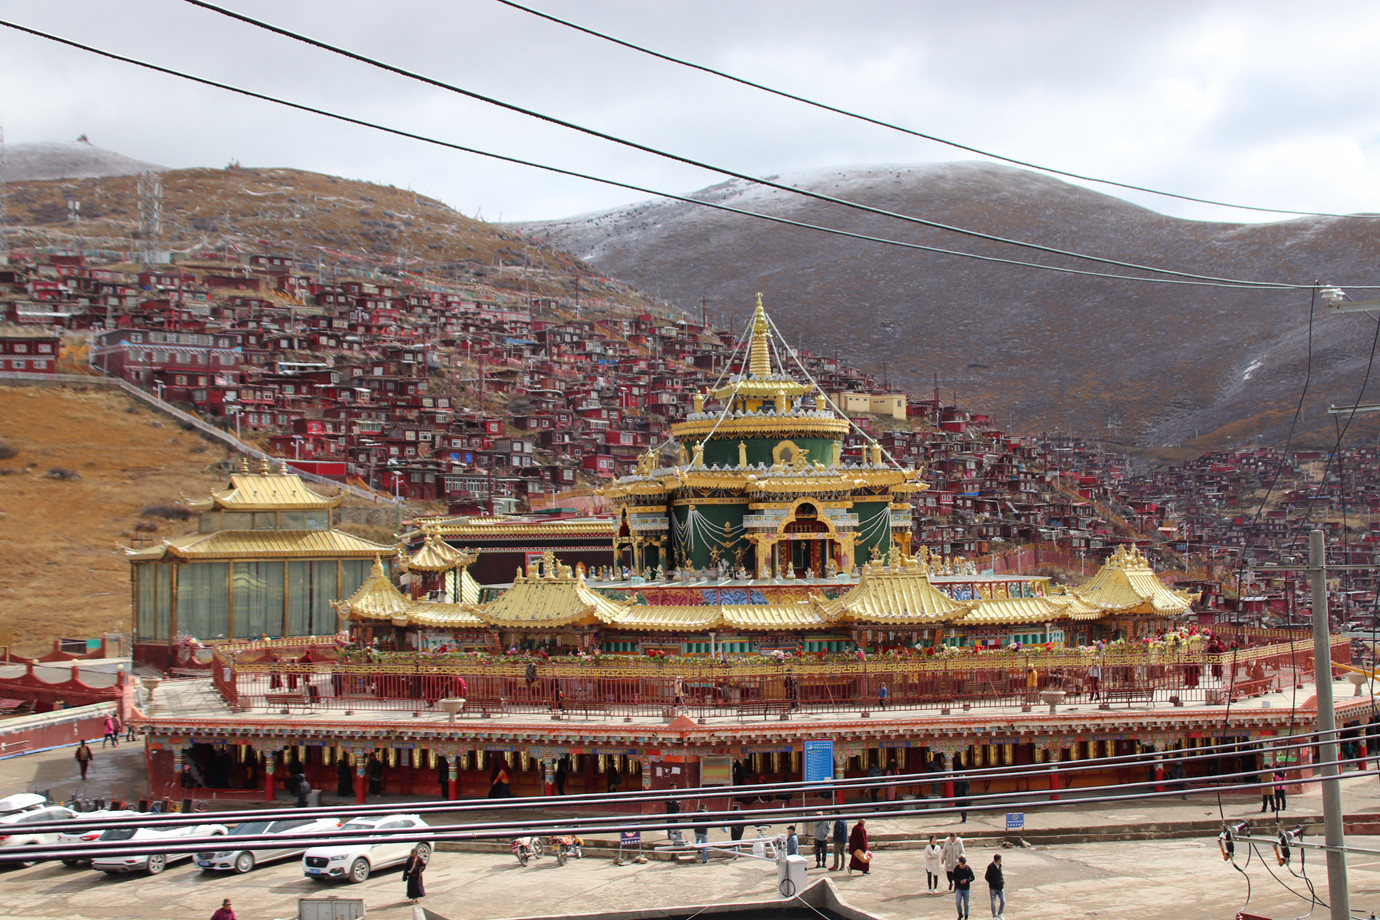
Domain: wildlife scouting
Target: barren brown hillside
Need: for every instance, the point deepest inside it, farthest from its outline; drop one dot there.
(64, 573)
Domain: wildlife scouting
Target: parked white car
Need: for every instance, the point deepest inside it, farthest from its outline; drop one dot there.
(21, 801)
(13, 832)
(355, 861)
(77, 838)
(153, 863)
(241, 861)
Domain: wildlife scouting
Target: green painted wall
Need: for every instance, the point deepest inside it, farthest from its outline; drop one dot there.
(725, 452)
(870, 533)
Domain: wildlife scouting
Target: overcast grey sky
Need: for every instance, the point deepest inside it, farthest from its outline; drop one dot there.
(1259, 102)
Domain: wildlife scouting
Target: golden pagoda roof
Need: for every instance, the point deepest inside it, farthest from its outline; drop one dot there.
(898, 593)
(263, 544)
(265, 491)
(479, 528)
(689, 617)
(1011, 611)
(469, 588)
(435, 615)
(775, 616)
(759, 381)
(436, 555)
(1127, 584)
(376, 599)
(552, 597)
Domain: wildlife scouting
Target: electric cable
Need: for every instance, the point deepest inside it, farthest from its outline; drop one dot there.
(689, 161)
(670, 196)
(904, 130)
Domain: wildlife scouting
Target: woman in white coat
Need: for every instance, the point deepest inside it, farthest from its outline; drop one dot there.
(952, 850)
(934, 865)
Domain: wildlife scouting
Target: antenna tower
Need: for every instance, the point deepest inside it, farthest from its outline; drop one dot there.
(150, 218)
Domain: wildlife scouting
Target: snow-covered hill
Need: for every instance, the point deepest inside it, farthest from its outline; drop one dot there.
(77, 159)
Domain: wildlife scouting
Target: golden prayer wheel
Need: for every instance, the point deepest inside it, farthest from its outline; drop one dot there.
(1039, 754)
(392, 757)
(1073, 750)
(478, 759)
(977, 755)
(431, 758)
(524, 761)
(795, 762)
(600, 763)
(775, 762)
(327, 756)
(1008, 754)
(1111, 748)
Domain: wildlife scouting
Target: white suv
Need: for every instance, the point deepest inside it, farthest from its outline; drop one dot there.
(354, 861)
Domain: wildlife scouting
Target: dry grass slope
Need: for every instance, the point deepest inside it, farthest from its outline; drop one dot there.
(60, 535)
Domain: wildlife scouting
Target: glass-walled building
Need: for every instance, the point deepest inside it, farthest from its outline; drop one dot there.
(264, 561)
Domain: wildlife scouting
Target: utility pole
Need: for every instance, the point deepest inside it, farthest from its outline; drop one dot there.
(1333, 836)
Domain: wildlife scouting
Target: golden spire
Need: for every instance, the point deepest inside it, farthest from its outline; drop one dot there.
(760, 365)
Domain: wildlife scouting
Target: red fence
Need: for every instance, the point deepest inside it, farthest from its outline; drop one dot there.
(747, 689)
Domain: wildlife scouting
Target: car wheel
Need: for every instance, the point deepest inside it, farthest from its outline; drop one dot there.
(157, 863)
(71, 862)
(244, 862)
(359, 870)
(424, 851)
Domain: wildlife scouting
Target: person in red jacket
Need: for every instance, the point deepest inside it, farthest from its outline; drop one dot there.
(859, 857)
(225, 912)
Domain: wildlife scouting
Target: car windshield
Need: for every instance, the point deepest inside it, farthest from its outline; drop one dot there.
(361, 824)
(251, 828)
(119, 833)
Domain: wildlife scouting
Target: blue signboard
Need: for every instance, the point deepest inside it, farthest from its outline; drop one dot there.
(1015, 821)
(629, 838)
(819, 760)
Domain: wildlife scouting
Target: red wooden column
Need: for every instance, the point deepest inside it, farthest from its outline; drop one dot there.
(453, 787)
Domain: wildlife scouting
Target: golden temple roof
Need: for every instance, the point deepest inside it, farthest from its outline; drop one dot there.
(1127, 584)
(775, 616)
(434, 615)
(480, 528)
(265, 491)
(260, 544)
(376, 599)
(1012, 611)
(469, 588)
(759, 381)
(699, 617)
(899, 594)
(436, 555)
(553, 597)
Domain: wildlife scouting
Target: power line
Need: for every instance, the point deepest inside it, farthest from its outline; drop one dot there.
(410, 135)
(699, 164)
(904, 130)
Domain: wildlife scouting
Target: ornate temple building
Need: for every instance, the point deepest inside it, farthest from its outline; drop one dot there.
(755, 591)
(264, 561)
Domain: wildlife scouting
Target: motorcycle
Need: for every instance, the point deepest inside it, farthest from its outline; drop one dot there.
(566, 846)
(525, 848)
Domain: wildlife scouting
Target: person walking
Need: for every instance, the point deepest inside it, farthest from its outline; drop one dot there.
(111, 731)
(344, 778)
(963, 883)
(1267, 792)
(934, 865)
(83, 756)
(615, 779)
(881, 696)
(840, 841)
(859, 854)
(498, 787)
(996, 887)
(224, 912)
(821, 838)
(1281, 794)
(952, 851)
(412, 872)
(701, 829)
